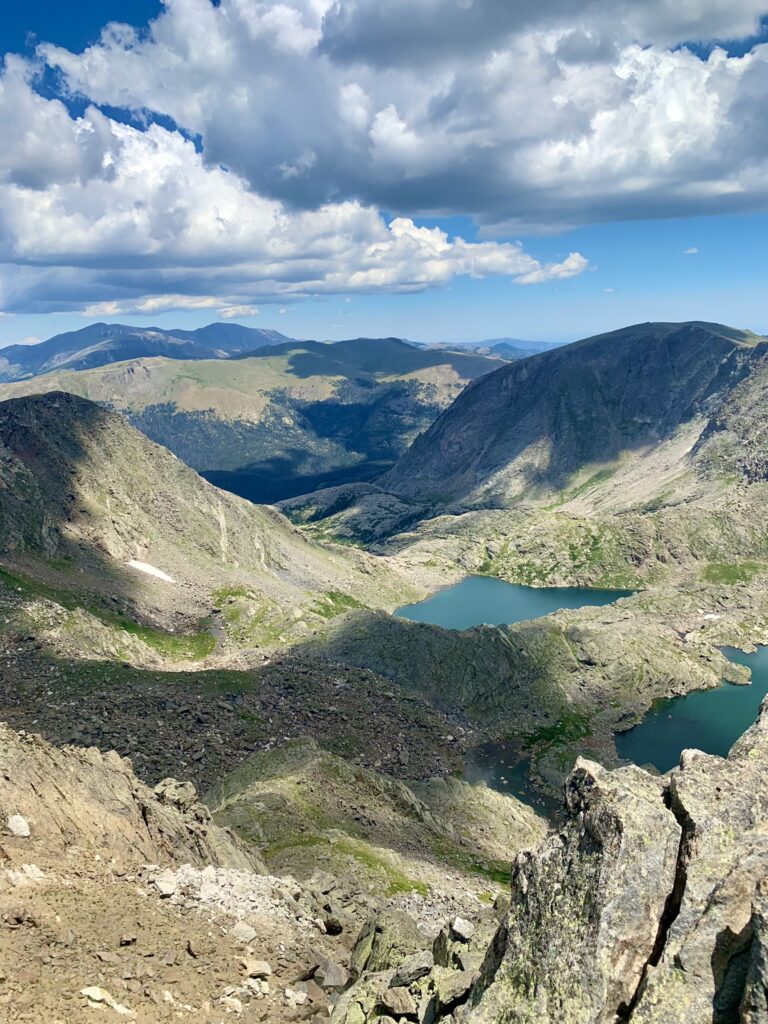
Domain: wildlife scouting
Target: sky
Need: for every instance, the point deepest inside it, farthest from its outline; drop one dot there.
(441, 170)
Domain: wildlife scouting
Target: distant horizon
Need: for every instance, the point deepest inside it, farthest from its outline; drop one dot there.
(556, 342)
(512, 339)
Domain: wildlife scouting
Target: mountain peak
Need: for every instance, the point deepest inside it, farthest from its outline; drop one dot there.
(534, 422)
(99, 344)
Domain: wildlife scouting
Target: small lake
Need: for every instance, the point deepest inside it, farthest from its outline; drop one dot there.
(710, 720)
(484, 600)
(500, 766)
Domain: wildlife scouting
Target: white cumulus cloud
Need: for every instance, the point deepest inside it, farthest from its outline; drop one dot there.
(232, 312)
(136, 221)
(265, 137)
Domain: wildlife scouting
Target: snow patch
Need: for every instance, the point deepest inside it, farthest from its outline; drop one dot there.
(150, 570)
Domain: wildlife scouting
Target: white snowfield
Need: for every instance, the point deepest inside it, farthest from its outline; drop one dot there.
(150, 570)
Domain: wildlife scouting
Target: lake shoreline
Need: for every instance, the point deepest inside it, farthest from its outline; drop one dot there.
(711, 720)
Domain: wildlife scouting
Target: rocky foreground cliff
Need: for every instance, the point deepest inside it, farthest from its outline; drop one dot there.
(140, 902)
(649, 905)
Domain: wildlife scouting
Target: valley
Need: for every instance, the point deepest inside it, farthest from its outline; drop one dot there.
(381, 688)
(281, 420)
(383, 535)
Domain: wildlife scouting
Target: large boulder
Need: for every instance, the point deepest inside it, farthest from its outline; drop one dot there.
(385, 941)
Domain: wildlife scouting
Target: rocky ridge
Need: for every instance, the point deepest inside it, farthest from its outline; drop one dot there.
(648, 905)
(136, 901)
(562, 685)
(81, 797)
(435, 841)
(534, 423)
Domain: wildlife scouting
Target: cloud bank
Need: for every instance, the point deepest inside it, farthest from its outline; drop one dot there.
(241, 154)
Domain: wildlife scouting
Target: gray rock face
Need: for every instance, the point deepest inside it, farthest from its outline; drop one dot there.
(716, 941)
(76, 797)
(331, 975)
(586, 906)
(650, 906)
(413, 967)
(398, 1001)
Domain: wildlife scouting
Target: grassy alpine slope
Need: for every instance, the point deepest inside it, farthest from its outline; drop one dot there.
(90, 507)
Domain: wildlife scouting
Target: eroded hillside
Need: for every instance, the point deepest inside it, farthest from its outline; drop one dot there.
(89, 506)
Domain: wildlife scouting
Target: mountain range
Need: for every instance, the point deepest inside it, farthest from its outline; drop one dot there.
(618, 460)
(100, 344)
(282, 420)
(509, 348)
(251, 651)
(534, 424)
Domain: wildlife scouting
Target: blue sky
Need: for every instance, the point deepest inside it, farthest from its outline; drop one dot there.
(257, 220)
(74, 25)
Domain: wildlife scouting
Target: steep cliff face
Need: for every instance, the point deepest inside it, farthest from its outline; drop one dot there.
(534, 423)
(649, 906)
(734, 441)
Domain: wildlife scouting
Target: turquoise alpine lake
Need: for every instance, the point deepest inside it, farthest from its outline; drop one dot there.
(485, 600)
(710, 720)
